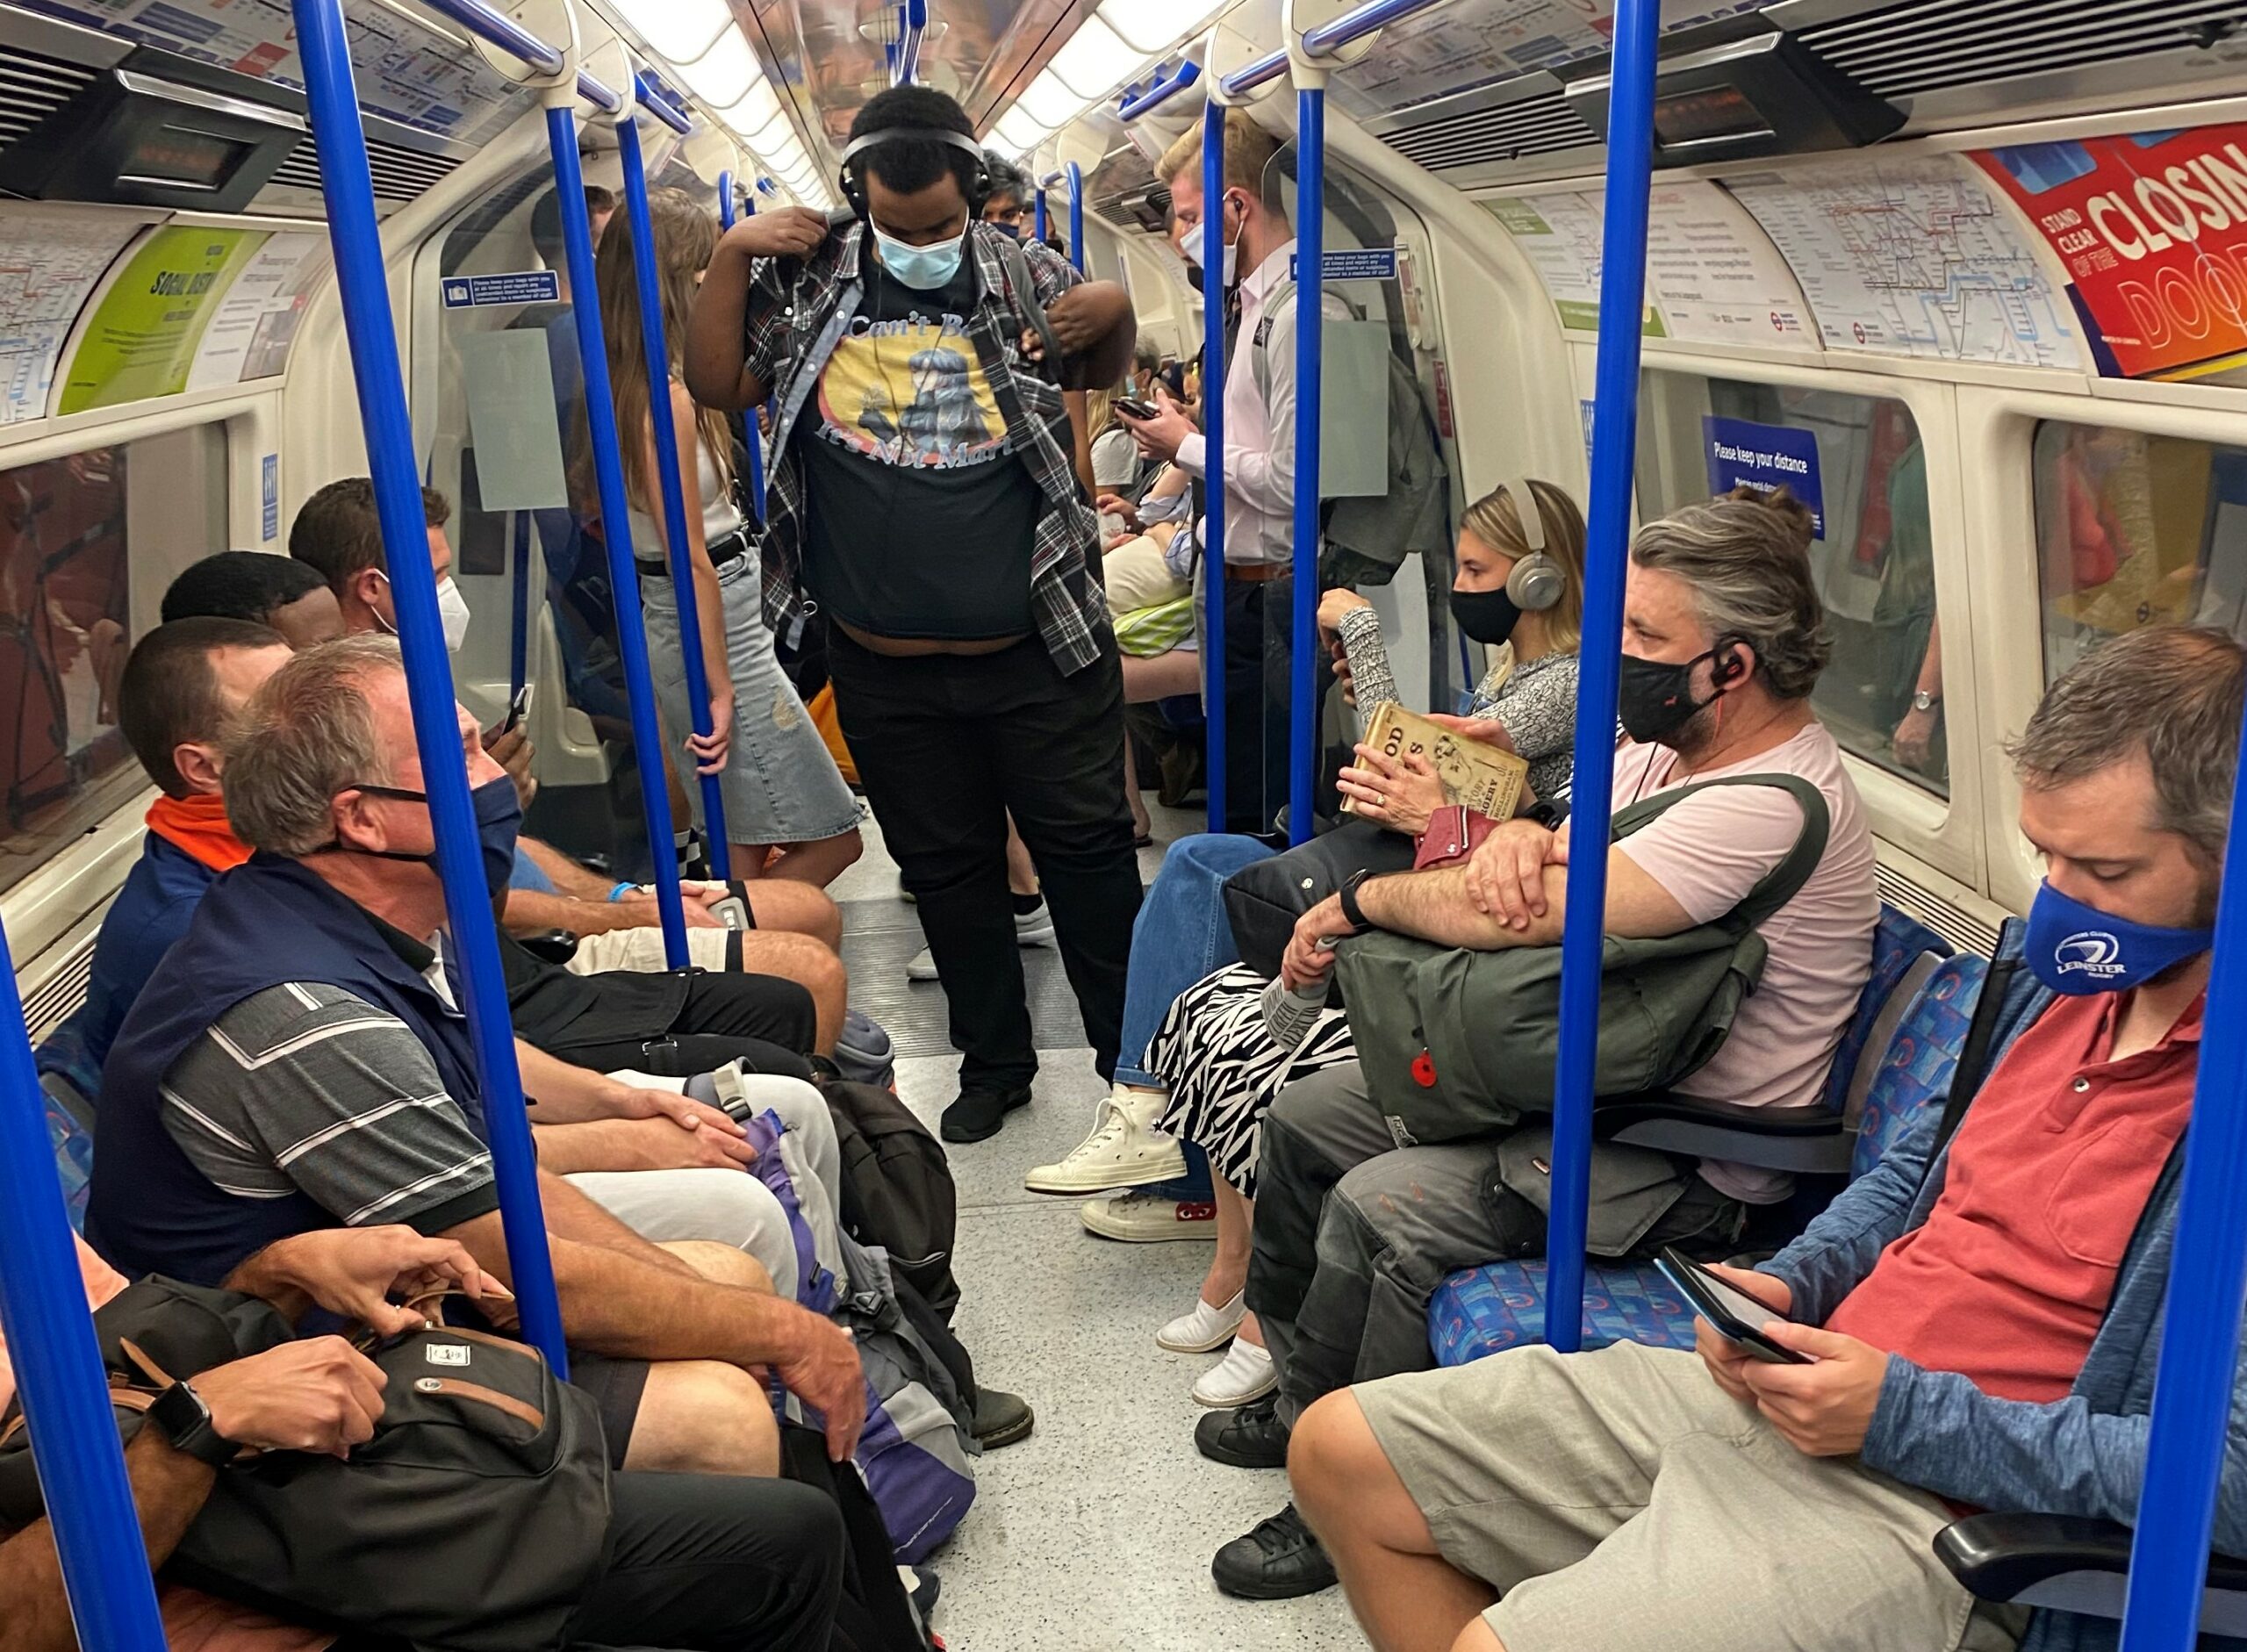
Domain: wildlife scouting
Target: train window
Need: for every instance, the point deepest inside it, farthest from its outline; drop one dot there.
(88, 543)
(2135, 529)
(1858, 462)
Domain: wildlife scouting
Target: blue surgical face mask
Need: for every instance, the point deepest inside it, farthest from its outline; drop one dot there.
(498, 823)
(923, 269)
(2078, 950)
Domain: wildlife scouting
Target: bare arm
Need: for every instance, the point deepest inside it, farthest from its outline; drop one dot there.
(1095, 325)
(168, 1489)
(566, 876)
(1440, 906)
(715, 354)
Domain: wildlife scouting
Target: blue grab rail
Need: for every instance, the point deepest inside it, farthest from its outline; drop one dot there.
(1622, 296)
(1077, 216)
(725, 200)
(1310, 259)
(616, 525)
(1038, 212)
(58, 1369)
(906, 66)
(1262, 72)
(661, 107)
(1213, 447)
(670, 474)
(1134, 105)
(1356, 23)
(380, 382)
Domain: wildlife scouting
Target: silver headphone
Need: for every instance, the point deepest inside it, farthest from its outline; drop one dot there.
(1537, 581)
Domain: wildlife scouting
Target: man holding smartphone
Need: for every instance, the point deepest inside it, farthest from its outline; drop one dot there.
(1978, 1311)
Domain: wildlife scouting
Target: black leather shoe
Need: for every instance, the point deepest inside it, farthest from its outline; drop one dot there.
(978, 1114)
(1278, 1561)
(1250, 1436)
(1002, 1419)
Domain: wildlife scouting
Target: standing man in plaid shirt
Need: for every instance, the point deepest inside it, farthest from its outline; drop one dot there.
(920, 496)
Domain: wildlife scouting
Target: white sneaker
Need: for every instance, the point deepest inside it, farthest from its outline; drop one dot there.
(1124, 1149)
(1144, 1218)
(1206, 1329)
(1244, 1374)
(1031, 928)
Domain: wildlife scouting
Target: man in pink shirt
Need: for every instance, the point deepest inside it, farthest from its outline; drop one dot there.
(1723, 640)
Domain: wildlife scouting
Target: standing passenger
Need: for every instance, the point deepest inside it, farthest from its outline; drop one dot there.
(781, 785)
(922, 493)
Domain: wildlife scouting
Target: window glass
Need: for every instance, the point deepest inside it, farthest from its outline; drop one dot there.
(88, 543)
(2135, 529)
(1859, 460)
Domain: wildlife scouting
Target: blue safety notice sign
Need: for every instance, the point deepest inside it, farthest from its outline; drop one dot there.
(1352, 263)
(521, 286)
(1765, 456)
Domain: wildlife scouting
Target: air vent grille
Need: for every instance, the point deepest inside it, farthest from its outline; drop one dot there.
(1961, 928)
(34, 88)
(1927, 46)
(56, 998)
(1541, 125)
(400, 174)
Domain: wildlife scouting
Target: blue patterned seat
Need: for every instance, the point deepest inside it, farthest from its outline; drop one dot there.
(1484, 1310)
(73, 1158)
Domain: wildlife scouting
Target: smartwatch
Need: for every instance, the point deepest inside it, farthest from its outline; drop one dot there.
(1347, 897)
(185, 1420)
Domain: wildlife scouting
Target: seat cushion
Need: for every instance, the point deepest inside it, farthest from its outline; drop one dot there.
(73, 1158)
(1486, 1310)
(1915, 1072)
(1898, 942)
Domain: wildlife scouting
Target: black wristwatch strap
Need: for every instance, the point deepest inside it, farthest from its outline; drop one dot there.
(1347, 896)
(185, 1420)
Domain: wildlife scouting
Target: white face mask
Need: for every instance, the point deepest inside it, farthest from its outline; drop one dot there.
(452, 608)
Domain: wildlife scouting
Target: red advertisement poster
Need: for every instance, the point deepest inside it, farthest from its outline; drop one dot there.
(2153, 230)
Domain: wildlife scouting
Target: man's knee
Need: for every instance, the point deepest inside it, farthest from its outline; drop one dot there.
(704, 1417)
(782, 906)
(1478, 1636)
(1344, 1484)
(722, 1264)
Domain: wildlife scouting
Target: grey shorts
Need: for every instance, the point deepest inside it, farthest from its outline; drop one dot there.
(781, 784)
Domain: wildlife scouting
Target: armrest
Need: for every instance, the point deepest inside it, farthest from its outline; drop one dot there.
(553, 946)
(1611, 1117)
(1813, 1140)
(2069, 1563)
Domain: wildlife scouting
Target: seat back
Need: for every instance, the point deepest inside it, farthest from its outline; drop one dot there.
(1904, 953)
(1915, 1073)
(69, 1131)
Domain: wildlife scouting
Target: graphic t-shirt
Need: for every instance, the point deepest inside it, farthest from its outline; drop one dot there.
(920, 511)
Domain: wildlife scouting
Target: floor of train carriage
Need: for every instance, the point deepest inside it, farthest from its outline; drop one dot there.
(1096, 1534)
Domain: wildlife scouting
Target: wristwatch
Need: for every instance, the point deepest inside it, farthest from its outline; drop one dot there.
(1922, 701)
(1347, 897)
(185, 1420)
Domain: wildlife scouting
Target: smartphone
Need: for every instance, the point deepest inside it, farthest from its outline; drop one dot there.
(1136, 408)
(1731, 1312)
(518, 708)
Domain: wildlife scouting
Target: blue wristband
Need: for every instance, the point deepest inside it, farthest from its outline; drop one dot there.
(621, 890)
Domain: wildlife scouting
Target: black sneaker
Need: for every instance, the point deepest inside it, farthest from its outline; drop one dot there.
(1002, 1419)
(978, 1113)
(1278, 1561)
(1250, 1436)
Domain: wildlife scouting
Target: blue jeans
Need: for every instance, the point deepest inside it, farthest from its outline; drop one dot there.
(1181, 935)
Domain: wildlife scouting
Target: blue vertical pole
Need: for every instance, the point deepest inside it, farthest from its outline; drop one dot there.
(519, 631)
(58, 1369)
(726, 200)
(2207, 1274)
(1615, 424)
(1077, 216)
(671, 476)
(1213, 426)
(1037, 213)
(616, 523)
(380, 381)
(1310, 326)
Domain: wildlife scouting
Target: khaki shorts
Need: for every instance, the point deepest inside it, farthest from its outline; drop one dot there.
(1621, 1502)
(642, 948)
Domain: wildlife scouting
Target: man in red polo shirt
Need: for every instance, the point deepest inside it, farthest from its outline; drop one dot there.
(1980, 1317)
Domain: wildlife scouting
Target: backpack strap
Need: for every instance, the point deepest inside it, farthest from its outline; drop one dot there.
(1023, 291)
(1783, 882)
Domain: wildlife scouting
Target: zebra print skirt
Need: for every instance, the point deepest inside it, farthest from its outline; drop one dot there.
(1225, 1070)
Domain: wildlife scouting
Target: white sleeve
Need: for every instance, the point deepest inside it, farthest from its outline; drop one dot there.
(1266, 479)
(1193, 457)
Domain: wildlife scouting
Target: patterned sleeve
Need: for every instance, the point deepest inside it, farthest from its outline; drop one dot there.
(1540, 715)
(1371, 679)
(766, 321)
(1050, 273)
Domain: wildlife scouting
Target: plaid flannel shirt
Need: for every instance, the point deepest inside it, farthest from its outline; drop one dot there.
(798, 309)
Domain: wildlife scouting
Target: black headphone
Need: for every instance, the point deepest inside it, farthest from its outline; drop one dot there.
(978, 192)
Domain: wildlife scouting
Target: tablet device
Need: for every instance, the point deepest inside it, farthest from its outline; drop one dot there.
(1732, 1313)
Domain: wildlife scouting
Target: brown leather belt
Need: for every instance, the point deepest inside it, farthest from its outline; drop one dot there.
(1256, 573)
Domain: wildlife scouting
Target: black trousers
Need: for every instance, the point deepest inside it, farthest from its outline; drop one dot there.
(948, 745)
(715, 1563)
(761, 1020)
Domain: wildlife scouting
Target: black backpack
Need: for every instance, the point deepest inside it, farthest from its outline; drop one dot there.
(475, 1520)
(897, 1189)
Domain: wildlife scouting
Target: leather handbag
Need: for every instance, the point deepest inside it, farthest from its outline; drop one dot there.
(1457, 1045)
(1264, 900)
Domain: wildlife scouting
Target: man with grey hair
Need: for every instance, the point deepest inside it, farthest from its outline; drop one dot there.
(1723, 639)
(1980, 1309)
(299, 1060)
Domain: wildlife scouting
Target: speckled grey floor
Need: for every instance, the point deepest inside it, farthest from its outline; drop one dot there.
(1096, 1534)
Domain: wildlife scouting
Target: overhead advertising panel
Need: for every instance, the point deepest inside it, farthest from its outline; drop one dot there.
(414, 77)
(1914, 256)
(51, 260)
(250, 331)
(1713, 276)
(141, 339)
(2153, 230)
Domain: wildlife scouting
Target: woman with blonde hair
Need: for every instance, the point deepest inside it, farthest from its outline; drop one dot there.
(782, 790)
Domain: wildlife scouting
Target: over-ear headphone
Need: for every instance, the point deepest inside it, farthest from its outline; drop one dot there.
(978, 192)
(1537, 581)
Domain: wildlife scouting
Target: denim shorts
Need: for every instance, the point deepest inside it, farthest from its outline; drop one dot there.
(781, 785)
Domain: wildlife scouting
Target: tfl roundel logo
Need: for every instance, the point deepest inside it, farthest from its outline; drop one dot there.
(2093, 952)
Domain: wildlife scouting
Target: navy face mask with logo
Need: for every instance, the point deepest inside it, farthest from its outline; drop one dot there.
(2078, 950)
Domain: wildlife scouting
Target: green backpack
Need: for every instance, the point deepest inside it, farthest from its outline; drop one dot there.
(1457, 1045)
